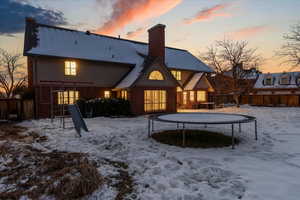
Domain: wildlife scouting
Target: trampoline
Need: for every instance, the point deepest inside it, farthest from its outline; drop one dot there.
(202, 118)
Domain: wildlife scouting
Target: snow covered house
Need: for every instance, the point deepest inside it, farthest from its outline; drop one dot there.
(277, 89)
(76, 64)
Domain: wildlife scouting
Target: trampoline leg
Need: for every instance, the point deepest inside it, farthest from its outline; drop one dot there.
(177, 125)
(149, 127)
(232, 135)
(152, 126)
(240, 127)
(205, 125)
(255, 129)
(183, 135)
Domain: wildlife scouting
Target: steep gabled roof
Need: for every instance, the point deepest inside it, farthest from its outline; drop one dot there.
(193, 82)
(60, 42)
(276, 81)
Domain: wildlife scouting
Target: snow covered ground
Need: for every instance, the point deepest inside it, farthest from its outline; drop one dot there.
(267, 169)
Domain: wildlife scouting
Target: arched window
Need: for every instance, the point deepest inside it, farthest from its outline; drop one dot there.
(156, 75)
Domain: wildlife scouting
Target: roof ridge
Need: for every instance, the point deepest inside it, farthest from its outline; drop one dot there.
(101, 35)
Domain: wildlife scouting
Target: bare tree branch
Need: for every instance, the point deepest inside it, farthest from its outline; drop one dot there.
(235, 58)
(11, 74)
(290, 51)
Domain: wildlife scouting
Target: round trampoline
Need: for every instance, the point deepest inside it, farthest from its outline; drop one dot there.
(201, 118)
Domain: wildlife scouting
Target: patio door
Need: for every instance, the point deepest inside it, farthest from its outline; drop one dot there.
(155, 100)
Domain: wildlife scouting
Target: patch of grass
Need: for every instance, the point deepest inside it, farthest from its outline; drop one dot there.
(124, 182)
(12, 132)
(30, 172)
(194, 138)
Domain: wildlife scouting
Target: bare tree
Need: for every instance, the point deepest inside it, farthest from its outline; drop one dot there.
(290, 51)
(234, 59)
(11, 74)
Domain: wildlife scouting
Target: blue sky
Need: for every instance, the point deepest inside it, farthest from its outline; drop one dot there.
(260, 22)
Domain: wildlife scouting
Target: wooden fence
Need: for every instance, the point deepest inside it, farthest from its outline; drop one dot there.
(272, 100)
(16, 109)
(263, 100)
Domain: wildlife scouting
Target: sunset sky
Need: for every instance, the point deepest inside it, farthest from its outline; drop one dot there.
(191, 24)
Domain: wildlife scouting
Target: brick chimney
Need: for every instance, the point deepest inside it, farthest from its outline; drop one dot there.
(157, 42)
(30, 39)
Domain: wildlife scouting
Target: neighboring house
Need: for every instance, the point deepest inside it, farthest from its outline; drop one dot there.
(249, 74)
(223, 86)
(277, 89)
(64, 65)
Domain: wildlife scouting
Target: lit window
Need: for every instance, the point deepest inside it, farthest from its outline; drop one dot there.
(124, 94)
(184, 96)
(176, 74)
(156, 75)
(178, 89)
(155, 100)
(106, 94)
(70, 68)
(192, 96)
(67, 97)
(201, 96)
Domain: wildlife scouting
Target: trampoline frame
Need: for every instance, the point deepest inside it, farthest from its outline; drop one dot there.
(248, 119)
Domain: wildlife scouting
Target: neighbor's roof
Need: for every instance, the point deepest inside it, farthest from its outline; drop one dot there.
(54, 41)
(193, 82)
(276, 78)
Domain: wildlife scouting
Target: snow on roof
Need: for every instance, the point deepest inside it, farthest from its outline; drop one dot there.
(75, 44)
(276, 78)
(131, 77)
(194, 80)
(53, 41)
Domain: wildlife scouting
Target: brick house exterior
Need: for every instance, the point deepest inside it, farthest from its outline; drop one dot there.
(73, 64)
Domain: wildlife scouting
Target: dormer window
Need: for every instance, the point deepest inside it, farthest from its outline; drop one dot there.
(298, 80)
(70, 68)
(156, 75)
(268, 80)
(285, 79)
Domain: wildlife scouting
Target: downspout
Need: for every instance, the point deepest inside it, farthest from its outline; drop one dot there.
(34, 77)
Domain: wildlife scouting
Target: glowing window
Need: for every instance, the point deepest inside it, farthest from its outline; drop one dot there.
(184, 97)
(156, 75)
(70, 68)
(67, 97)
(176, 74)
(192, 96)
(155, 100)
(124, 94)
(106, 94)
(201, 96)
(178, 89)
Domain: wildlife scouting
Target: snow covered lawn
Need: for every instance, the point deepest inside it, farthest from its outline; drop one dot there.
(267, 169)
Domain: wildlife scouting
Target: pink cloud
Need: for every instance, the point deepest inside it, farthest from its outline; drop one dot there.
(126, 12)
(135, 33)
(209, 14)
(249, 32)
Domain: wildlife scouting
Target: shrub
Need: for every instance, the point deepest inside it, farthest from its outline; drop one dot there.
(104, 107)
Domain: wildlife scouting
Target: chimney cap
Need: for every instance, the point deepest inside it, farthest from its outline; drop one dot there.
(157, 26)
